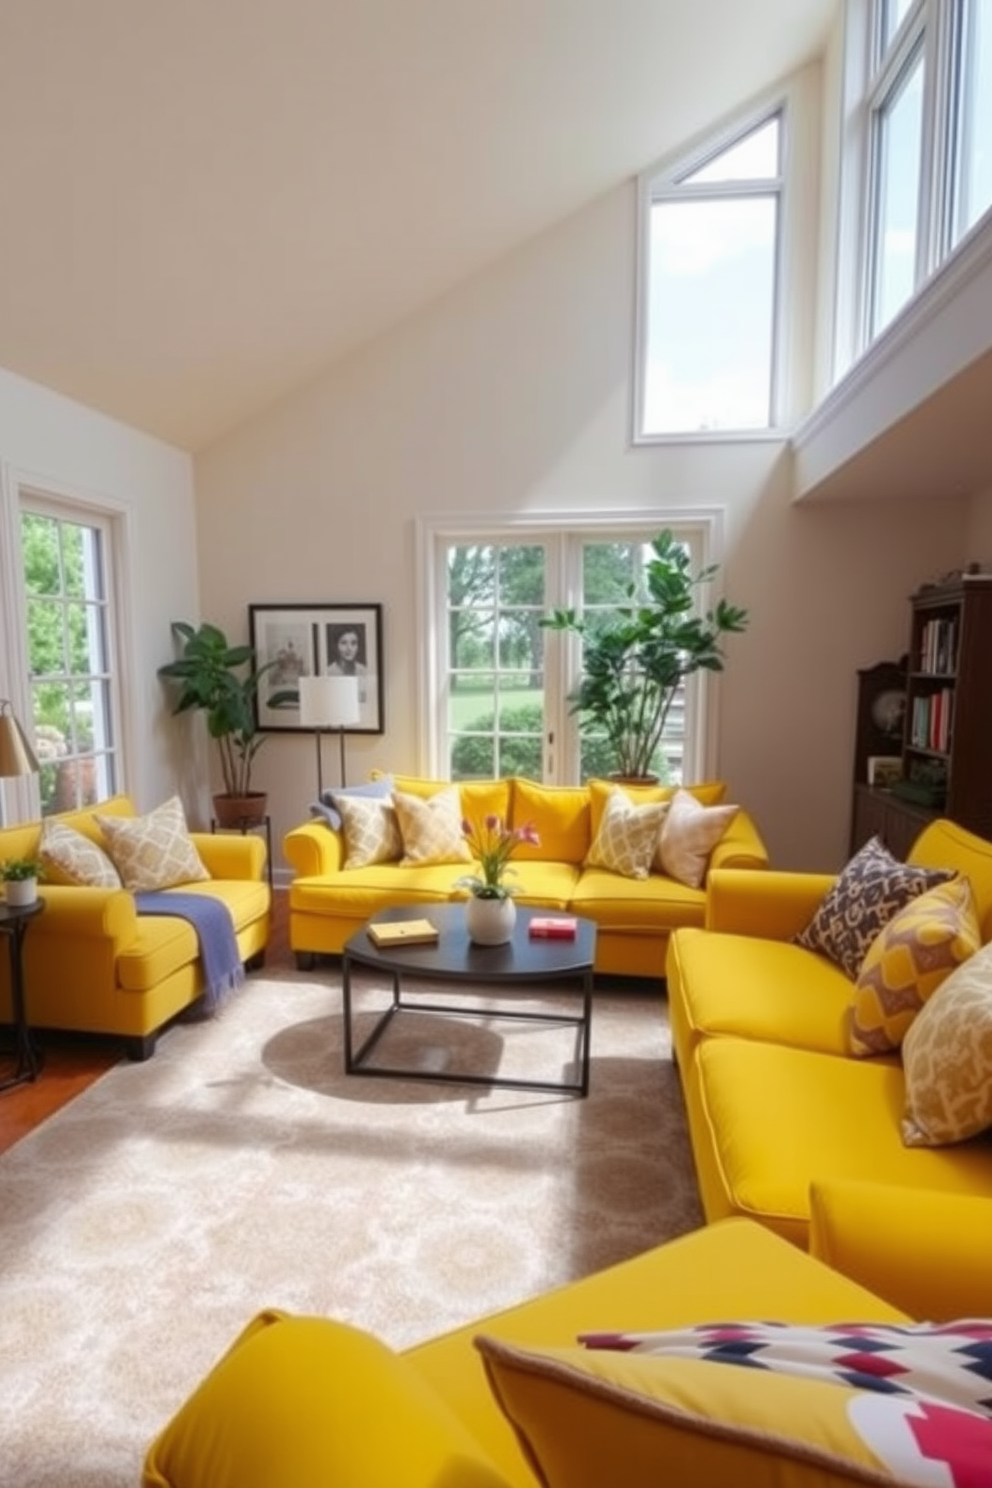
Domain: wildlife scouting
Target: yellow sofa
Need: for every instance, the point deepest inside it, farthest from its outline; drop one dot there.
(92, 964)
(328, 901)
(297, 1402)
(774, 1099)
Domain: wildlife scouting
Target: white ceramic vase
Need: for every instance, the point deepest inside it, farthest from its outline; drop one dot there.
(20, 891)
(490, 921)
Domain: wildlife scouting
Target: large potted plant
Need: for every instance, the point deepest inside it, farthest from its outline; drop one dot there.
(222, 681)
(636, 658)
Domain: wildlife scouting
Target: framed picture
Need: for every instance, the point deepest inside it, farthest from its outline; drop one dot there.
(317, 640)
(883, 769)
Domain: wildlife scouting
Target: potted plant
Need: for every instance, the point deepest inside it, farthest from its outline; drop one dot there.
(636, 658)
(222, 680)
(20, 880)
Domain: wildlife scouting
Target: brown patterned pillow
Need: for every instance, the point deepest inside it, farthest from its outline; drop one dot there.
(872, 888)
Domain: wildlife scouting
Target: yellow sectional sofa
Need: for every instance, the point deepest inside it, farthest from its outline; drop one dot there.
(92, 964)
(776, 1099)
(510, 1401)
(328, 901)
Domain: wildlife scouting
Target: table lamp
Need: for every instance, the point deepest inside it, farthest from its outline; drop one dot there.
(329, 703)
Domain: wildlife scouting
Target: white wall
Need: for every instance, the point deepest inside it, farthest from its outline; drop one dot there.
(512, 394)
(57, 446)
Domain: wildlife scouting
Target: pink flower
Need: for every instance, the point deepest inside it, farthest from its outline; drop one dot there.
(493, 844)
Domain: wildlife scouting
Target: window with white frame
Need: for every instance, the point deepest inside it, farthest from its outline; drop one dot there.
(499, 682)
(709, 287)
(67, 565)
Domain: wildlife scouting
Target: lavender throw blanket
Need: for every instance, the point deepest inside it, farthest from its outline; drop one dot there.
(223, 972)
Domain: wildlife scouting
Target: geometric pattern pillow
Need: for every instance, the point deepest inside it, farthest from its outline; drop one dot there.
(326, 809)
(688, 836)
(71, 858)
(627, 836)
(908, 960)
(371, 831)
(872, 888)
(947, 1059)
(153, 851)
(432, 829)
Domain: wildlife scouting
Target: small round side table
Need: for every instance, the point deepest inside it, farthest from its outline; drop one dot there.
(14, 921)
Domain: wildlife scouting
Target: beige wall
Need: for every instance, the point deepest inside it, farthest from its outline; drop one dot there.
(512, 394)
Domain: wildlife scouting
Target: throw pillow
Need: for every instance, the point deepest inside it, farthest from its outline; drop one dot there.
(908, 960)
(627, 836)
(371, 830)
(432, 829)
(71, 858)
(947, 1059)
(688, 836)
(154, 851)
(872, 888)
(326, 810)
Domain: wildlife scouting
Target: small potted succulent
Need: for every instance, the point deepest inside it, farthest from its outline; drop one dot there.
(20, 880)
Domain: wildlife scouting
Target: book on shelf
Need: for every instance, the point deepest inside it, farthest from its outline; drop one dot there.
(403, 932)
(553, 927)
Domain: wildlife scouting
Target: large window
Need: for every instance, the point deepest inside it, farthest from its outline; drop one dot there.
(498, 682)
(709, 288)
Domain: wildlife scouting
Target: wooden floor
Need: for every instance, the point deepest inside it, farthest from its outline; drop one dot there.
(71, 1062)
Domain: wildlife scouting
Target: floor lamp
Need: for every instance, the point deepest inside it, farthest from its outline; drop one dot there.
(328, 703)
(16, 755)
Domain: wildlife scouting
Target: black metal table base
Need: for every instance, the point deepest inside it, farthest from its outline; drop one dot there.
(356, 1060)
(26, 1054)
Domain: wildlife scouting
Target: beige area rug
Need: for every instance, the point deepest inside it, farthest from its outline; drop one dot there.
(142, 1226)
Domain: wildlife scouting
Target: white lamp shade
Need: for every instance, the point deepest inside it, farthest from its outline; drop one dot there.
(329, 702)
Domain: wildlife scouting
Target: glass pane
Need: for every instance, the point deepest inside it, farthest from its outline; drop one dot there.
(521, 576)
(472, 640)
(973, 144)
(471, 702)
(898, 141)
(471, 759)
(710, 315)
(754, 158)
(46, 639)
(893, 14)
(608, 570)
(520, 756)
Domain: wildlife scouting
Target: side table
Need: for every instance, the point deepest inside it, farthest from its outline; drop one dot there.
(245, 825)
(14, 921)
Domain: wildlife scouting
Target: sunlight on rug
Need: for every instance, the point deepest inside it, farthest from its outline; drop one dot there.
(142, 1226)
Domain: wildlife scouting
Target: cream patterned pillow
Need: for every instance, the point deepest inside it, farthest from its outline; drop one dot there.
(71, 858)
(153, 851)
(432, 829)
(371, 831)
(688, 836)
(947, 1059)
(628, 835)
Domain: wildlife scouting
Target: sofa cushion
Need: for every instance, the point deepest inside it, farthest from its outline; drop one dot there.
(371, 830)
(154, 851)
(947, 1057)
(479, 798)
(908, 960)
(70, 858)
(872, 888)
(689, 833)
(642, 906)
(628, 836)
(591, 1417)
(301, 1401)
(561, 816)
(431, 829)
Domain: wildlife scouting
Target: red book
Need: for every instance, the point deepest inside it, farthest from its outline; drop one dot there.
(554, 927)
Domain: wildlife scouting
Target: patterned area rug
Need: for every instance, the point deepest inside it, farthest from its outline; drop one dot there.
(143, 1225)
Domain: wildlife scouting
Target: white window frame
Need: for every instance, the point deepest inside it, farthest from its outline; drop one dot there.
(700, 528)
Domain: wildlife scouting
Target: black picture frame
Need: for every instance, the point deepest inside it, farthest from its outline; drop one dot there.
(302, 639)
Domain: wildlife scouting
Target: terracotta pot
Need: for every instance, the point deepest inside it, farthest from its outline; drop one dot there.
(490, 921)
(241, 811)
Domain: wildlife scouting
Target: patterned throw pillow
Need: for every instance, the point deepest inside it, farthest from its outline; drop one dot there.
(371, 831)
(872, 888)
(908, 960)
(71, 858)
(947, 1059)
(627, 836)
(432, 829)
(153, 851)
(688, 836)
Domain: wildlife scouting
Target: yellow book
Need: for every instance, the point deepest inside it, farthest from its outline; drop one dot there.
(403, 932)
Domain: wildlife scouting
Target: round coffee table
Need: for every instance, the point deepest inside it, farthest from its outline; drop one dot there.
(513, 967)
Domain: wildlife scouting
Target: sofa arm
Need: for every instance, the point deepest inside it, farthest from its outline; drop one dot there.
(314, 850)
(228, 855)
(923, 1251)
(772, 904)
(74, 910)
(741, 846)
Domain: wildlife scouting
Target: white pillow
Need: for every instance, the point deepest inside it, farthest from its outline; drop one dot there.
(688, 835)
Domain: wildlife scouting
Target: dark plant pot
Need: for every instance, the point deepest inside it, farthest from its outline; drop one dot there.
(241, 811)
(633, 779)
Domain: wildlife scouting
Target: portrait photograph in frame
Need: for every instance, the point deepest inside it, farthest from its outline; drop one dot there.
(317, 640)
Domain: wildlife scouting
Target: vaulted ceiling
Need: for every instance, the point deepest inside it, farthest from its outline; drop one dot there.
(207, 202)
